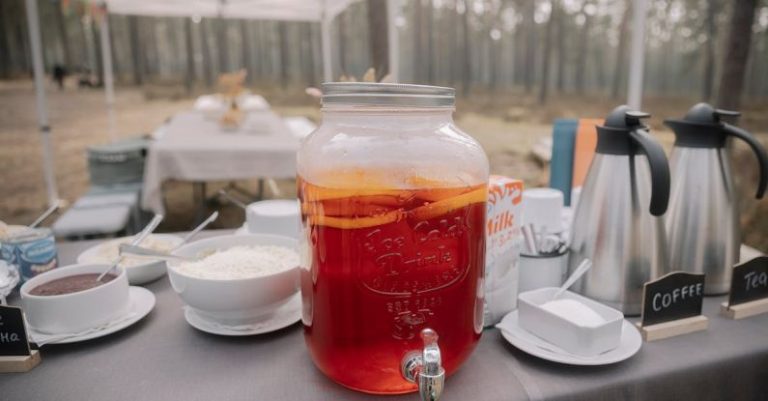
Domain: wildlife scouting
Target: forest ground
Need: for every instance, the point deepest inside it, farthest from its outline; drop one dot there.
(507, 124)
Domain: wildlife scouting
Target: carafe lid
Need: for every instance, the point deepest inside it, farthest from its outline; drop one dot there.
(387, 94)
(701, 127)
(623, 133)
(613, 136)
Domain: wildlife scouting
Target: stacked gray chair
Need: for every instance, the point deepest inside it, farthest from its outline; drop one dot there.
(111, 205)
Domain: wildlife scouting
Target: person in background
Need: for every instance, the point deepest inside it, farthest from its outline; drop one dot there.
(59, 73)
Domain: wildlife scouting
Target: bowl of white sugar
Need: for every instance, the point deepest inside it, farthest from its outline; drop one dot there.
(574, 323)
(236, 279)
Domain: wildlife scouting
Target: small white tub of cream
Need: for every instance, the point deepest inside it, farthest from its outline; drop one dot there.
(572, 322)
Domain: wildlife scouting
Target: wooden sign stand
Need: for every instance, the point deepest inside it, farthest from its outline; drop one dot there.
(746, 309)
(673, 328)
(19, 364)
(672, 306)
(749, 290)
(15, 354)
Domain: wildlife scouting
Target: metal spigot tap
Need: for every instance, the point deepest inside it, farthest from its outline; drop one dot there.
(425, 367)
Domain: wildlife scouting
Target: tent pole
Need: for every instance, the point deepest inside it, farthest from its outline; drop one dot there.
(637, 58)
(394, 40)
(109, 80)
(41, 103)
(325, 38)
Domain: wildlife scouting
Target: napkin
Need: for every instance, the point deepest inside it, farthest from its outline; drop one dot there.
(9, 277)
(261, 325)
(512, 330)
(43, 338)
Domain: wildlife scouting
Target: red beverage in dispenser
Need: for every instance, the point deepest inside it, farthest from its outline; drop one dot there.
(383, 264)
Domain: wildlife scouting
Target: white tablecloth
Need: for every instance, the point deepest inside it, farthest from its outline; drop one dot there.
(192, 147)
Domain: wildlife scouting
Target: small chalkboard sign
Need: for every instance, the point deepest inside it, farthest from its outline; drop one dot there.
(15, 354)
(749, 289)
(672, 306)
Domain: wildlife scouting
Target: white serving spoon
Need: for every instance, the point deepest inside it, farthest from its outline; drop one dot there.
(136, 250)
(583, 267)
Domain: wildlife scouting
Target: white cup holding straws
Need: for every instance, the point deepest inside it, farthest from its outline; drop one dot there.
(538, 271)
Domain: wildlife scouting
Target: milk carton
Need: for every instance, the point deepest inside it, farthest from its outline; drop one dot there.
(502, 248)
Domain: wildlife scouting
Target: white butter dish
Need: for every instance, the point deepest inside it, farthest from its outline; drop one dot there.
(598, 332)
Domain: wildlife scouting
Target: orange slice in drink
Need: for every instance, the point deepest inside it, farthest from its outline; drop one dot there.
(313, 193)
(345, 208)
(359, 222)
(438, 194)
(444, 206)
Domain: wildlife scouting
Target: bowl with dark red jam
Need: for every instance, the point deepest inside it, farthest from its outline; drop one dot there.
(70, 299)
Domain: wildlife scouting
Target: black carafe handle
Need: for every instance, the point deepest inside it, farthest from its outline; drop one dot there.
(759, 150)
(657, 160)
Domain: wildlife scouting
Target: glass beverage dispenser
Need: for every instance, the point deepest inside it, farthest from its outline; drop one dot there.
(393, 201)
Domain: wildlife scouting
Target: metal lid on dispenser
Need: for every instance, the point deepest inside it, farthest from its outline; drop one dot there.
(386, 94)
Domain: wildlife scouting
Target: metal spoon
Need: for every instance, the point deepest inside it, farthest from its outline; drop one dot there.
(142, 235)
(583, 267)
(59, 203)
(232, 199)
(200, 227)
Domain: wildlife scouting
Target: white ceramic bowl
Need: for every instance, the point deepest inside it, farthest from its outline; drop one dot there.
(274, 216)
(574, 338)
(78, 311)
(236, 301)
(137, 274)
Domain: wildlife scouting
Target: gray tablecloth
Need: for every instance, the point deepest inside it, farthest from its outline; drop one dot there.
(163, 358)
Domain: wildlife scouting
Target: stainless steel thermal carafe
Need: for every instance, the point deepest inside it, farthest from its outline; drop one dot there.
(703, 220)
(618, 223)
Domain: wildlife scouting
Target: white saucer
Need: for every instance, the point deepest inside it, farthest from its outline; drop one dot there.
(284, 316)
(631, 341)
(142, 302)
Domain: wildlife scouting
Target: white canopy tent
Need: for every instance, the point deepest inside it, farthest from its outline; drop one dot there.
(321, 11)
